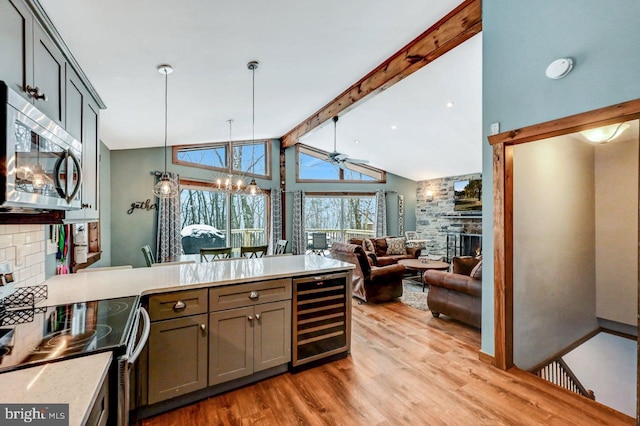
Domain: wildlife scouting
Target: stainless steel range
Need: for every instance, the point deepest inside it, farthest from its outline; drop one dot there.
(31, 334)
(52, 333)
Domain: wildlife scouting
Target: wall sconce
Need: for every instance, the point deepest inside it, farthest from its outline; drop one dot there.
(429, 195)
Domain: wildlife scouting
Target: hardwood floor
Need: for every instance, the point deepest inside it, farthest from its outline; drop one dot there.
(405, 368)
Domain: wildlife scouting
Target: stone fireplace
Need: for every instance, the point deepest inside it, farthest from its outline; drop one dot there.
(446, 231)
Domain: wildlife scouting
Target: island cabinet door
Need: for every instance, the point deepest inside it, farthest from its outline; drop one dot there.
(230, 344)
(272, 335)
(177, 357)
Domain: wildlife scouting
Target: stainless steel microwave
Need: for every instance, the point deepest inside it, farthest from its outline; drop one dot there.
(39, 160)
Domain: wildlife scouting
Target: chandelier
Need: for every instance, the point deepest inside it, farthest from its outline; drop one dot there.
(229, 183)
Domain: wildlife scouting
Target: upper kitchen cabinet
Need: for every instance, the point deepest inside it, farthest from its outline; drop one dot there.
(39, 65)
(82, 115)
(16, 44)
(32, 64)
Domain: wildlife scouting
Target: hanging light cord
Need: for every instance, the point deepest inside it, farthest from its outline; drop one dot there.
(166, 77)
(253, 120)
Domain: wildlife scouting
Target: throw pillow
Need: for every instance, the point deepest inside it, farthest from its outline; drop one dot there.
(396, 246)
(368, 245)
(463, 264)
(476, 272)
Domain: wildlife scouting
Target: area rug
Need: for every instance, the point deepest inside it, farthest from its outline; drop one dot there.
(413, 296)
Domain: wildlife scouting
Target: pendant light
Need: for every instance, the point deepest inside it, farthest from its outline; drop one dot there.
(253, 188)
(165, 188)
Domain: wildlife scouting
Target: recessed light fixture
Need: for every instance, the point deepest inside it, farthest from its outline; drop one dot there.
(394, 127)
(357, 141)
(450, 104)
(604, 134)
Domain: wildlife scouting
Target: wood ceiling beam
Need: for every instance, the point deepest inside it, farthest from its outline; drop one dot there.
(457, 26)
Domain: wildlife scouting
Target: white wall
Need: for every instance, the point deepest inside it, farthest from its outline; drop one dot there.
(616, 166)
(554, 247)
(606, 364)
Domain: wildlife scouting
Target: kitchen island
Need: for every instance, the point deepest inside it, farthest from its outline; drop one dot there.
(220, 325)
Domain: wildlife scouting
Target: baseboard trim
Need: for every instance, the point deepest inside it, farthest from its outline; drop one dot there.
(486, 358)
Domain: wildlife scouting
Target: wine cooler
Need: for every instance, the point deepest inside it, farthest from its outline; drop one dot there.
(321, 317)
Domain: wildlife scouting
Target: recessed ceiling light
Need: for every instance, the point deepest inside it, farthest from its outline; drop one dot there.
(357, 141)
(394, 127)
(450, 104)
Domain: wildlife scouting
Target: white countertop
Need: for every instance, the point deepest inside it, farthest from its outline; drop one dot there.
(75, 382)
(99, 285)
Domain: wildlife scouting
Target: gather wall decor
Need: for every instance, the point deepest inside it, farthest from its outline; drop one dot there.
(142, 205)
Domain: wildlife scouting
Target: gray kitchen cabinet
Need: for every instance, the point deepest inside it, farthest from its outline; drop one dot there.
(38, 65)
(82, 115)
(244, 341)
(177, 351)
(16, 41)
(48, 76)
(254, 334)
(177, 357)
(32, 64)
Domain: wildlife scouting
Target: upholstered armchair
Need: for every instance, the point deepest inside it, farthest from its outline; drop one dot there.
(457, 294)
(370, 283)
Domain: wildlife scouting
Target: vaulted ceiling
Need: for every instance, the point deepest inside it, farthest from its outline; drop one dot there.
(309, 52)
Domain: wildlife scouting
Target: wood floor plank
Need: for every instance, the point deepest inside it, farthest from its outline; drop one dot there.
(405, 368)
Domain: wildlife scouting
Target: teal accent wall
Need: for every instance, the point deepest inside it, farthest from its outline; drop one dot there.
(130, 181)
(395, 186)
(520, 38)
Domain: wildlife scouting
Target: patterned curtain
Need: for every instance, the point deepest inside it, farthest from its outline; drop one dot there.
(169, 243)
(299, 242)
(381, 214)
(276, 218)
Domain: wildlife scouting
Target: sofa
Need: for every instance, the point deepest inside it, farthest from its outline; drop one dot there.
(370, 283)
(457, 294)
(379, 252)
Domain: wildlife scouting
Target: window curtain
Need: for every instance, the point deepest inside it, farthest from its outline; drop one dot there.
(299, 241)
(381, 214)
(169, 242)
(276, 219)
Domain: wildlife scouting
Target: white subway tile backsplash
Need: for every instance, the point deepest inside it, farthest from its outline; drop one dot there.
(6, 240)
(23, 246)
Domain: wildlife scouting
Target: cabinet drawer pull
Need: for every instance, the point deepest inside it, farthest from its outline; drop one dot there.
(180, 305)
(250, 318)
(203, 327)
(254, 295)
(258, 317)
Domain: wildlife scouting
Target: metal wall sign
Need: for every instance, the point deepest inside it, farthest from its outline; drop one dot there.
(400, 214)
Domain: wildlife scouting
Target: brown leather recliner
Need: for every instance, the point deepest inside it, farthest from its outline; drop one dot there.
(457, 294)
(370, 283)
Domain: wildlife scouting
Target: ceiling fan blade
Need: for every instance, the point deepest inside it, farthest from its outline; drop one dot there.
(342, 165)
(356, 161)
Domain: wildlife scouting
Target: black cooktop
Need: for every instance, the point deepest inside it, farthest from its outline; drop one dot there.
(43, 334)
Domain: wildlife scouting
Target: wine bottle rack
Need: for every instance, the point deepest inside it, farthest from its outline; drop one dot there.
(321, 317)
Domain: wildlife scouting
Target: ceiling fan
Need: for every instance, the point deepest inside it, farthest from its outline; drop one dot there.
(337, 158)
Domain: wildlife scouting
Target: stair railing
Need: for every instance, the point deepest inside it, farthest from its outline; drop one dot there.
(559, 373)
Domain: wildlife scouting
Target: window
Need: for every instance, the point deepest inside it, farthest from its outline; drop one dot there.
(340, 217)
(313, 166)
(246, 157)
(210, 218)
